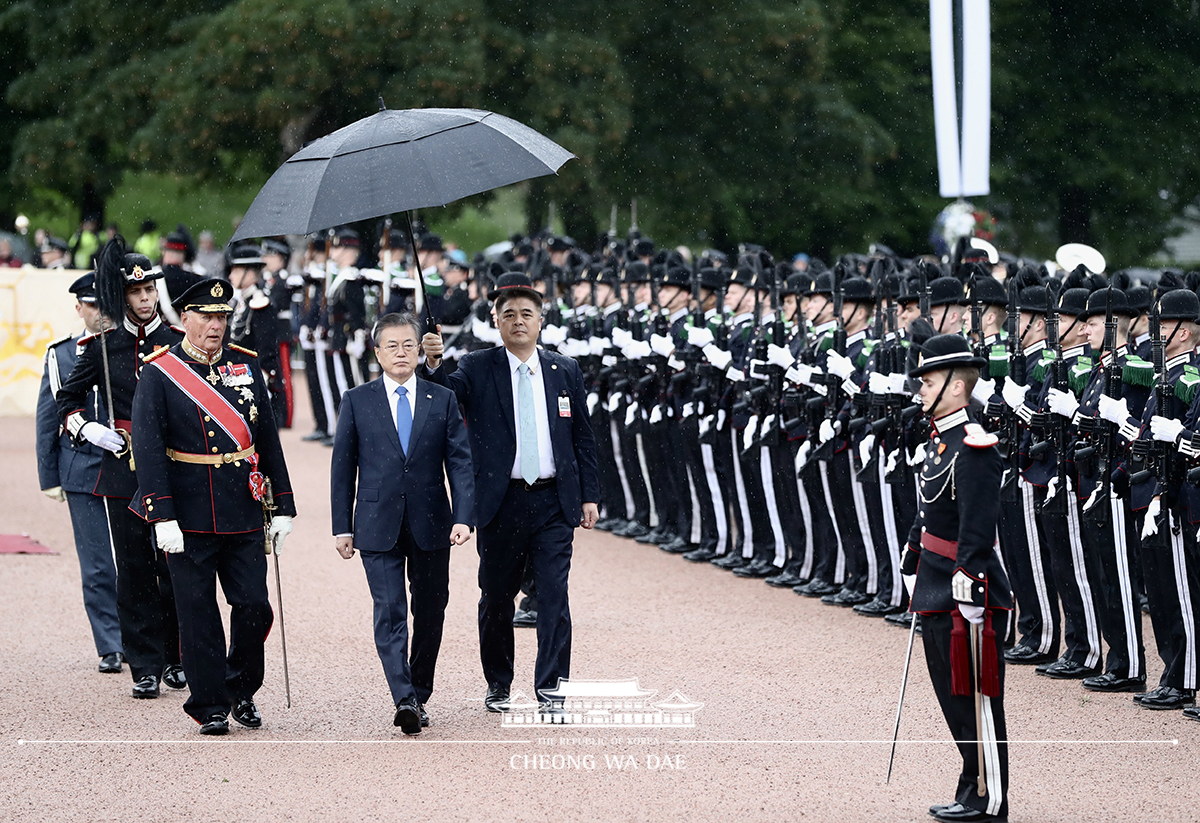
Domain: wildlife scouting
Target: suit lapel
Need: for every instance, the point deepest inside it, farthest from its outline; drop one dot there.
(382, 406)
(503, 380)
(550, 384)
(423, 401)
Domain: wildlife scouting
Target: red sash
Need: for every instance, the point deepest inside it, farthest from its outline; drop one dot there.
(206, 397)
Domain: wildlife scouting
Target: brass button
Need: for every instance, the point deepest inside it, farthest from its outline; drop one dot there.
(214, 448)
(207, 419)
(237, 462)
(212, 434)
(149, 507)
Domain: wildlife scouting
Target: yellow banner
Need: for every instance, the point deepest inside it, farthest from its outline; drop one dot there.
(35, 310)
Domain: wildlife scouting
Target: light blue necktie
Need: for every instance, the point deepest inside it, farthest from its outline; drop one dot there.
(403, 418)
(528, 434)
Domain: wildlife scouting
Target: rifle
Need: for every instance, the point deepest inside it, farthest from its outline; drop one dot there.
(612, 227)
(1102, 434)
(1156, 454)
(980, 344)
(1058, 426)
(824, 451)
(874, 408)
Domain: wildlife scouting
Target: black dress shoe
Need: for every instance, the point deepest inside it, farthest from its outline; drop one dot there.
(655, 536)
(424, 715)
(730, 560)
(524, 619)
(1070, 670)
(1165, 698)
(1109, 682)
(246, 713)
(958, 813)
(676, 546)
(784, 580)
(634, 529)
(408, 716)
(816, 588)
(902, 619)
(328, 441)
(497, 698)
(146, 688)
(877, 608)
(757, 569)
(316, 435)
(174, 677)
(846, 597)
(1192, 713)
(607, 524)
(110, 663)
(1023, 655)
(215, 724)
(941, 807)
(701, 555)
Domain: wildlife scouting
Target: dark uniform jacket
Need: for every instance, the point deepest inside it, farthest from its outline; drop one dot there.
(205, 498)
(128, 347)
(958, 506)
(62, 462)
(254, 325)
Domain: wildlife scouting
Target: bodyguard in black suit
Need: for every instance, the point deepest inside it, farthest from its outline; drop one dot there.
(535, 479)
(395, 435)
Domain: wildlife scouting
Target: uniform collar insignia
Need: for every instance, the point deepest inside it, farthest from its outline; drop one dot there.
(948, 421)
(200, 356)
(1179, 360)
(858, 335)
(1034, 348)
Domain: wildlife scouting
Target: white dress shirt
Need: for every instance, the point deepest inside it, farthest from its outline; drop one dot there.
(540, 415)
(390, 387)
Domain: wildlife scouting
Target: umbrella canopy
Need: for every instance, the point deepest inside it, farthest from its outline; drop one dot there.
(394, 161)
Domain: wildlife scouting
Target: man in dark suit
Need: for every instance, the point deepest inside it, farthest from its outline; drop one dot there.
(395, 435)
(535, 478)
(68, 473)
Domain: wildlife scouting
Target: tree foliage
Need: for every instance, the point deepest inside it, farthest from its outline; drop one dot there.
(798, 125)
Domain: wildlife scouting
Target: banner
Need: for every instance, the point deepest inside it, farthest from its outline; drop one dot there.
(960, 44)
(35, 310)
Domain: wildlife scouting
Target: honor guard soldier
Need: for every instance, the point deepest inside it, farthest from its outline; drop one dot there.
(115, 361)
(955, 578)
(211, 476)
(253, 323)
(68, 472)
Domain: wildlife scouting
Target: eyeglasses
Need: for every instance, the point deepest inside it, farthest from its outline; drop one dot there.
(392, 348)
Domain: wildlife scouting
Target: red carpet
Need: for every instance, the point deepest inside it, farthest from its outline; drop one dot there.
(22, 544)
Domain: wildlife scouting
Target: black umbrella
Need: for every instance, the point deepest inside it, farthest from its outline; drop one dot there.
(395, 161)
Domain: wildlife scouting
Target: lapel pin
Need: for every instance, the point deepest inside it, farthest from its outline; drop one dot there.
(554, 366)
(429, 397)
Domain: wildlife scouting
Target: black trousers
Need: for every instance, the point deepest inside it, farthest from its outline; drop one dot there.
(529, 524)
(315, 395)
(661, 466)
(409, 673)
(827, 543)
(145, 605)
(787, 497)
(847, 511)
(723, 462)
(960, 717)
(1172, 588)
(1076, 588)
(217, 677)
(612, 496)
(628, 438)
(1023, 545)
(704, 483)
(758, 530)
(1106, 546)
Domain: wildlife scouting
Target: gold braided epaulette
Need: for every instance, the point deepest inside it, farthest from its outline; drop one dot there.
(159, 352)
(243, 349)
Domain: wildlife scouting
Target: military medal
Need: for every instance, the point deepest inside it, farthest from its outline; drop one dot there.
(253, 413)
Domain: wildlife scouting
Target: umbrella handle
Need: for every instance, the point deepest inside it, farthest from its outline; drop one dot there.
(430, 322)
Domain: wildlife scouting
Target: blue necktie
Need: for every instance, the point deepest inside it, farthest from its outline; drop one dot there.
(530, 464)
(403, 418)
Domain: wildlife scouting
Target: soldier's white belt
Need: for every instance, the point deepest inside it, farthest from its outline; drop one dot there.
(211, 459)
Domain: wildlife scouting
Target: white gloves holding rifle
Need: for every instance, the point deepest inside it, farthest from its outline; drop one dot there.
(1062, 403)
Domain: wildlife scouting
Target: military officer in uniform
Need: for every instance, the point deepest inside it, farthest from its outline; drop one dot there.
(68, 472)
(208, 456)
(954, 575)
(115, 358)
(254, 322)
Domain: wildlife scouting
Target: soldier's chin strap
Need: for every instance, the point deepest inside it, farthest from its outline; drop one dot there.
(937, 400)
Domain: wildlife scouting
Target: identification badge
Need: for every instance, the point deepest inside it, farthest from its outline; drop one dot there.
(564, 406)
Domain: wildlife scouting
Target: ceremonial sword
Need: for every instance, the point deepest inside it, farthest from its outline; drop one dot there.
(912, 632)
(268, 504)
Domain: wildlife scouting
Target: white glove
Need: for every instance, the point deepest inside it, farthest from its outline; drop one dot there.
(718, 357)
(878, 383)
(910, 583)
(356, 346)
(749, 432)
(656, 415)
(553, 336)
(103, 436)
(898, 384)
(802, 454)
(56, 494)
(1165, 429)
(800, 373)
(865, 447)
(621, 337)
(826, 431)
(168, 536)
(306, 338)
(1052, 487)
(779, 356)
(1013, 393)
(576, 348)
(661, 344)
(918, 455)
(1062, 403)
(839, 364)
(983, 391)
(699, 336)
(1150, 526)
(893, 460)
(281, 527)
(597, 345)
(1114, 411)
(973, 614)
(636, 350)
(593, 400)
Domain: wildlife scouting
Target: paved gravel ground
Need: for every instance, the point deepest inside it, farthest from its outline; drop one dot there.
(799, 701)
